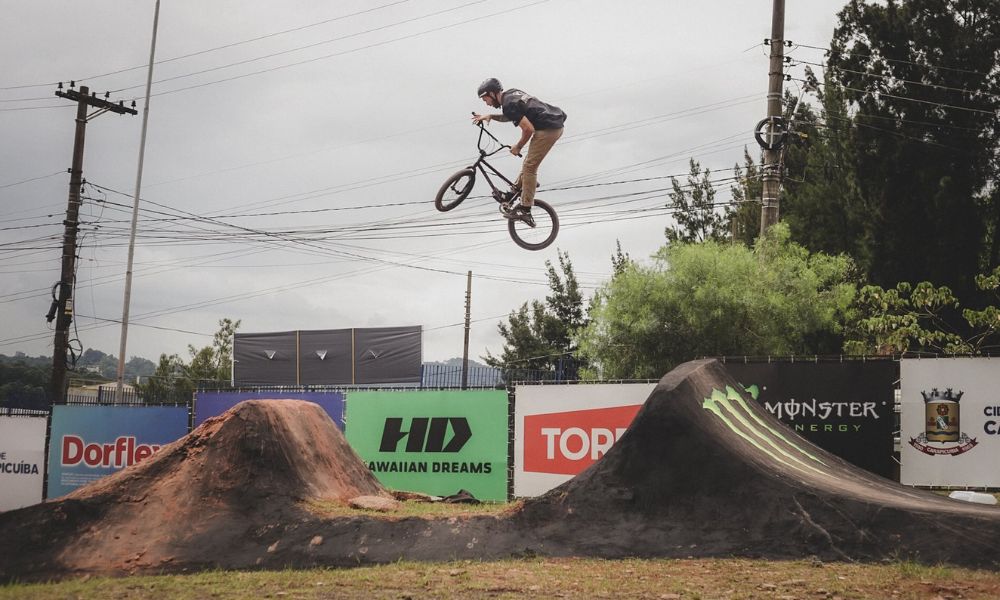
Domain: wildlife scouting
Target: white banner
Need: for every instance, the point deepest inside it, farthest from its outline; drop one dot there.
(560, 430)
(22, 461)
(950, 422)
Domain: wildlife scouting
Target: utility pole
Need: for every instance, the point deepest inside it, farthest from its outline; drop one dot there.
(62, 305)
(468, 321)
(775, 130)
(127, 300)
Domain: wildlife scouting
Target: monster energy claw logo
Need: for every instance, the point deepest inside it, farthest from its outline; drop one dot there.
(730, 408)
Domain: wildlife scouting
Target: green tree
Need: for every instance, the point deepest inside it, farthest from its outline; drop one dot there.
(715, 299)
(22, 382)
(174, 379)
(920, 78)
(910, 319)
(169, 382)
(823, 203)
(539, 336)
(693, 205)
(744, 220)
(620, 261)
(215, 362)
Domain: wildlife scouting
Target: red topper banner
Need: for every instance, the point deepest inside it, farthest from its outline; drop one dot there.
(569, 442)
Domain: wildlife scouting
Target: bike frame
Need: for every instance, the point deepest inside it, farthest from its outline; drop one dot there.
(481, 165)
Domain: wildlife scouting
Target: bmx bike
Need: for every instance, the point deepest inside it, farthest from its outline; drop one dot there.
(533, 231)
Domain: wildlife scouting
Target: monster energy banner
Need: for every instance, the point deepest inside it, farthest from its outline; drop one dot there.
(435, 442)
(845, 408)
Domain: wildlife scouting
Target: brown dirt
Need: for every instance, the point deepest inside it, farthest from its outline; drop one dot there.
(197, 499)
(683, 481)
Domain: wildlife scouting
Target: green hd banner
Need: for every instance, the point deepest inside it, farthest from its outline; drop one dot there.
(434, 442)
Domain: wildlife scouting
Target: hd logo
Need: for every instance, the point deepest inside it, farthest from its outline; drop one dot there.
(426, 434)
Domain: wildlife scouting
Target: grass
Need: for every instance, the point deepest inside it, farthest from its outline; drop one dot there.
(654, 579)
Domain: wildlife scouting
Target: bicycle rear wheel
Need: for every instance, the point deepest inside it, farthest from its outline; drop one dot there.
(541, 233)
(455, 189)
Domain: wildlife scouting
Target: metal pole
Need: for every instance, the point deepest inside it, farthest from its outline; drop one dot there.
(771, 166)
(468, 317)
(119, 390)
(64, 311)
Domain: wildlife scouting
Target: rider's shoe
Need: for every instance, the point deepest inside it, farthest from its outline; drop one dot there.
(521, 213)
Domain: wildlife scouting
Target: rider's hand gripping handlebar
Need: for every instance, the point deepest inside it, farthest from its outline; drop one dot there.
(483, 130)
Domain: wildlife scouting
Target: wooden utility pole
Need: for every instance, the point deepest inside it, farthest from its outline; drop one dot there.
(62, 309)
(772, 152)
(468, 322)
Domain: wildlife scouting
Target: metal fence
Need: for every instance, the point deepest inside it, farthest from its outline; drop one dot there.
(433, 376)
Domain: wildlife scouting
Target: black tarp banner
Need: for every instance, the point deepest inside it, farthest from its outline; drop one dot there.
(368, 356)
(843, 407)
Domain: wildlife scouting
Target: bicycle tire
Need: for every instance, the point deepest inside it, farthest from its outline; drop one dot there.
(442, 202)
(550, 220)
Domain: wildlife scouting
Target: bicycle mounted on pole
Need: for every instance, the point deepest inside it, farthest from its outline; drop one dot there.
(532, 231)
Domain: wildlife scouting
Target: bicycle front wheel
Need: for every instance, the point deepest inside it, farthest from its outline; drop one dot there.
(455, 189)
(539, 233)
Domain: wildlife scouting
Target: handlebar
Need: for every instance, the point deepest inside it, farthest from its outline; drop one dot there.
(479, 143)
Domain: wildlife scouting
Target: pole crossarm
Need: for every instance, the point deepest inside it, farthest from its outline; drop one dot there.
(101, 103)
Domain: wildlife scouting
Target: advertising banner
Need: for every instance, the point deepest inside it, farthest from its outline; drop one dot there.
(89, 442)
(560, 430)
(22, 461)
(434, 442)
(950, 422)
(213, 404)
(846, 408)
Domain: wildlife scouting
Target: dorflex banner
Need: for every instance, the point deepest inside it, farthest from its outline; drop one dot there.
(950, 422)
(845, 408)
(560, 430)
(213, 404)
(434, 442)
(22, 461)
(89, 442)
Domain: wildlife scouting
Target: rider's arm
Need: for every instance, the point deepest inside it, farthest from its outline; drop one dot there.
(527, 130)
(476, 118)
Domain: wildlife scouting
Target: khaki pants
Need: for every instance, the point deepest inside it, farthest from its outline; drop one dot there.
(538, 147)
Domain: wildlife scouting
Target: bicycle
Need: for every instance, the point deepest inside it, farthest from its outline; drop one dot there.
(533, 231)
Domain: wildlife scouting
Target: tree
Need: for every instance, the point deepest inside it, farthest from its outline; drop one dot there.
(620, 261)
(169, 382)
(920, 78)
(909, 319)
(539, 336)
(823, 203)
(694, 209)
(173, 379)
(714, 299)
(215, 362)
(745, 218)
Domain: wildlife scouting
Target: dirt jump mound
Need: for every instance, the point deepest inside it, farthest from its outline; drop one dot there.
(705, 471)
(196, 500)
(702, 471)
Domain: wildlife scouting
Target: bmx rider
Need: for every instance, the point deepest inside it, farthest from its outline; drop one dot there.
(541, 124)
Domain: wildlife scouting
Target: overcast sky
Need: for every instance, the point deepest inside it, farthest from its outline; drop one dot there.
(294, 150)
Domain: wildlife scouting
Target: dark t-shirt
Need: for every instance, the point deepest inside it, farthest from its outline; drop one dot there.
(517, 105)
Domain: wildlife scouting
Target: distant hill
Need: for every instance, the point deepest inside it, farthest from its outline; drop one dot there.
(448, 373)
(91, 362)
(457, 362)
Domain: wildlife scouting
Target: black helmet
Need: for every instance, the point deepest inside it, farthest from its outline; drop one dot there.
(490, 85)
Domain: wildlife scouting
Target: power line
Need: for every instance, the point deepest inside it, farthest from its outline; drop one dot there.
(216, 48)
(879, 57)
(342, 53)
